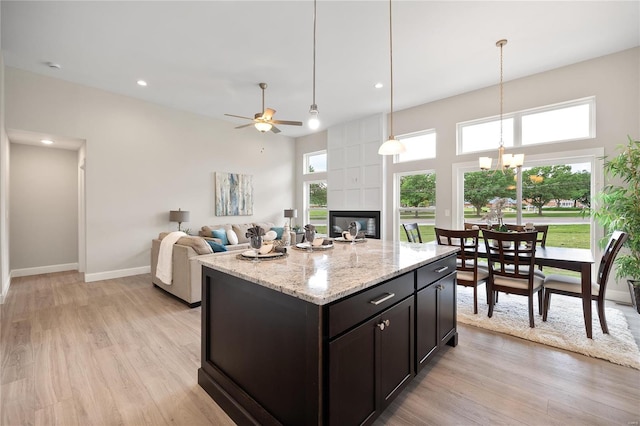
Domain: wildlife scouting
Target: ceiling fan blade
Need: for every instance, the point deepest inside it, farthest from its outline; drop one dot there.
(239, 116)
(268, 113)
(243, 126)
(288, 123)
(274, 129)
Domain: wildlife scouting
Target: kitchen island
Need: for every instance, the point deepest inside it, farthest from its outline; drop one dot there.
(323, 337)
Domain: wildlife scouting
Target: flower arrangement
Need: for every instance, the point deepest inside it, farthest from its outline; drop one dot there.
(496, 214)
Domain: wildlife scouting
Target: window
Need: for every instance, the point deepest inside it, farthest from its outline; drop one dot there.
(553, 123)
(485, 135)
(315, 201)
(416, 203)
(558, 124)
(419, 146)
(315, 162)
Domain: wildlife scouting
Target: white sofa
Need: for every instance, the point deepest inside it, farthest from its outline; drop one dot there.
(186, 270)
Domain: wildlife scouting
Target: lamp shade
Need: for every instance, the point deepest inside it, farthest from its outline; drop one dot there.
(485, 163)
(178, 216)
(290, 213)
(392, 147)
(263, 126)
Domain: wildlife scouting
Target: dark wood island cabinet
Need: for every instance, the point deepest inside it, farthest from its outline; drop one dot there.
(327, 337)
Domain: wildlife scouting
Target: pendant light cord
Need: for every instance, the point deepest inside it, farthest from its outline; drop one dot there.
(391, 69)
(314, 52)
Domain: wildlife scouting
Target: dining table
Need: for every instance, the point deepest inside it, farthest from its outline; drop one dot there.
(571, 259)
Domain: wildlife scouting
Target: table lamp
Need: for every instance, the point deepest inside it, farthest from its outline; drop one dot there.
(178, 216)
(290, 213)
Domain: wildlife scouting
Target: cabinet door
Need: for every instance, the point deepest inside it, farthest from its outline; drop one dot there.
(447, 310)
(352, 373)
(396, 349)
(426, 324)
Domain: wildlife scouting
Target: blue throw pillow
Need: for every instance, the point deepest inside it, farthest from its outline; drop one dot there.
(279, 231)
(220, 234)
(217, 248)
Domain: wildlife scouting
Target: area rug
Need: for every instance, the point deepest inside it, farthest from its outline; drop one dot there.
(563, 329)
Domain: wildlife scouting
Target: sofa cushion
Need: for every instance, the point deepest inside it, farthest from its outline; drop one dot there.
(264, 225)
(199, 245)
(241, 231)
(221, 234)
(216, 247)
(232, 237)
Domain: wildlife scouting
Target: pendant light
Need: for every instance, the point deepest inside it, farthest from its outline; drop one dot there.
(504, 160)
(392, 146)
(314, 122)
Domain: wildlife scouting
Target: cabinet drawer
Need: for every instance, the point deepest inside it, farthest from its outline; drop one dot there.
(350, 312)
(434, 271)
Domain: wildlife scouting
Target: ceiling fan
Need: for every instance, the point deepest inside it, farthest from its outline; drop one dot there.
(263, 121)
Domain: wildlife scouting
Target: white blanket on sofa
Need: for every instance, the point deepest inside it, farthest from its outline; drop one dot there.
(164, 270)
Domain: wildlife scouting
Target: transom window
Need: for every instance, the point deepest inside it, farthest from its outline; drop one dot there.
(562, 122)
(315, 162)
(419, 145)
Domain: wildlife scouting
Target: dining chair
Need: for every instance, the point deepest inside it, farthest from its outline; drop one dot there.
(413, 232)
(541, 239)
(572, 286)
(468, 273)
(469, 225)
(511, 259)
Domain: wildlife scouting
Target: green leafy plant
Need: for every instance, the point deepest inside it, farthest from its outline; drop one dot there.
(619, 206)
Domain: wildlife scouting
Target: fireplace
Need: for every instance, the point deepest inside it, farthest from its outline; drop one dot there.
(339, 221)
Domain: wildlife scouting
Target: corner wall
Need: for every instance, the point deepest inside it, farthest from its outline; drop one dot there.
(143, 160)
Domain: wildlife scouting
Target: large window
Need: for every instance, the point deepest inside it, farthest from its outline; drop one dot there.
(416, 201)
(316, 205)
(315, 162)
(553, 123)
(419, 145)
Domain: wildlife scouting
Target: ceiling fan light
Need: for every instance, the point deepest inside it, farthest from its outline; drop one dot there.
(263, 127)
(392, 147)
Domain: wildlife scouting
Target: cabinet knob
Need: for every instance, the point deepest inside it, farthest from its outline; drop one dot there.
(383, 324)
(440, 287)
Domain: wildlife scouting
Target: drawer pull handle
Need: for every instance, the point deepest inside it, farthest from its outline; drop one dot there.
(382, 299)
(440, 287)
(440, 270)
(381, 325)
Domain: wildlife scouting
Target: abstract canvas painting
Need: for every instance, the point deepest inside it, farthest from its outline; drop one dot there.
(234, 194)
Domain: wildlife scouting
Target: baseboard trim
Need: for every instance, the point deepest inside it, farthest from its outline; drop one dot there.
(4, 289)
(618, 296)
(107, 275)
(25, 272)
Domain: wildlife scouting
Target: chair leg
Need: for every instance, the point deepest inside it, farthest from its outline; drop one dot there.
(531, 324)
(475, 298)
(547, 301)
(491, 295)
(603, 319)
(540, 302)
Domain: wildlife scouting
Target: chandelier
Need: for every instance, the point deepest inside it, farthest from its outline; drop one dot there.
(505, 161)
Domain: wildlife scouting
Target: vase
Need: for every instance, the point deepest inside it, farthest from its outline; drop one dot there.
(309, 236)
(286, 236)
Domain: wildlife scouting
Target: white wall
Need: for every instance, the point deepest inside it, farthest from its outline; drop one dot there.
(44, 209)
(143, 160)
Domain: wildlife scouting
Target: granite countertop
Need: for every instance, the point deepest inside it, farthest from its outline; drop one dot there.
(323, 276)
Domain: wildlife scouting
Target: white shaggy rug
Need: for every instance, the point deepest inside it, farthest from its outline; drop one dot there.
(563, 329)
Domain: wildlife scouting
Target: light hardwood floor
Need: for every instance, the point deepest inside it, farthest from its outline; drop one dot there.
(122, 352)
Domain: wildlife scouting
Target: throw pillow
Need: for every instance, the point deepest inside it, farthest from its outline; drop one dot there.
(278, 231)
(220, 234)
(217, 248)
(241, 231)
(232, 237)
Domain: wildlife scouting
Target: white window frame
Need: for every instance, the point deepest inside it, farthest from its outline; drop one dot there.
(306, 216)
(396, 197)
(517, 124)
(306, 157)
(396, 158)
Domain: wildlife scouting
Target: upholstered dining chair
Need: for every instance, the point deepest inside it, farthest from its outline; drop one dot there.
(572, 286)
(511, 259)
(467, 272)
(413, 232)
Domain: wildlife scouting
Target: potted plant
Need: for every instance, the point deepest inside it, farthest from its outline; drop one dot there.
(619, 209)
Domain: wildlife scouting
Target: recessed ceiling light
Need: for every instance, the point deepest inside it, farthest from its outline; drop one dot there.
(46, 141)
(142, 83)
(378, 85)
